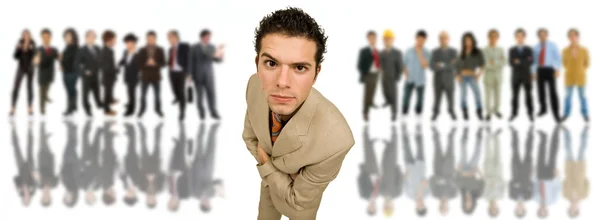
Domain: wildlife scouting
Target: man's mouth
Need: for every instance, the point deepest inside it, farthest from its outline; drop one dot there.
(282, 98)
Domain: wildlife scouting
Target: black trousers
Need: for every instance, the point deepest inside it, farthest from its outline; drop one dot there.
(156, 88)
(108, 94)
(91, 84)
(131, 94)
(438, 91)
(516, 85)
(178, 85)
(546, 77)
(21, 73)
(370, 86)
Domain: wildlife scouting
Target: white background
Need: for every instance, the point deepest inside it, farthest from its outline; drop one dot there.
(233, 23)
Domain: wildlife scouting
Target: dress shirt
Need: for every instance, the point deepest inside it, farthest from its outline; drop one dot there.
(551, 58)
(176, 66)
(416, 73)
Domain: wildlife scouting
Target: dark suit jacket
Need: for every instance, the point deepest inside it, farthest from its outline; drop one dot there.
(88, 61)
(201, 60)
(522, 69)
(365, 60)
(132, 72)
(46, 66)
(151, 73)
(183, 51)
(107, 65)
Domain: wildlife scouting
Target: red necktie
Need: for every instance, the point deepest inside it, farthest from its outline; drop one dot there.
(376, 58)
(542, 55)
(172, 61)
(47, 50)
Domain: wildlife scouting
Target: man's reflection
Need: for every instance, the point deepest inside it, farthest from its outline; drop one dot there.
(369, 176)
(469, 179)
(576, 184)
(131, 173)
(493, 175)
(391, 180)
(415, 183)
(151, 169)
(71, 170)
(25, 182)
(48, 178)
(179, 179)
(521, 185)
(90, 162)
(205, 186)
(546, 186)
(109, 167)
(443, 182)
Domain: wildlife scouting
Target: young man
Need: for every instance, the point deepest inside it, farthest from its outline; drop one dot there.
(296, 163)
(391, 66)
(131, 76)
(150, 60)
(109, 70)
(546, 65)
(492, 78)
(442, 64)
(520, 58)
(45, 59)
(202, 56)
(88, 61)
(416, 62)
(178, 69)
(369, 67)
(576, 60)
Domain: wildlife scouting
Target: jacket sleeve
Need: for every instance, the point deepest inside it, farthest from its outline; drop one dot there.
(212, 54)
(433, 62)
(586, 59)
(248, 134)
(191, 60)
(306, 190)
(511, 59)
(161, 60)
(141, 59)
(17, 53)
(123, 60)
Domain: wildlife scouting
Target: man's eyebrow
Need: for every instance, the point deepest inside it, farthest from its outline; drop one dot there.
(307, 64)
(303, 63)
(264, 54)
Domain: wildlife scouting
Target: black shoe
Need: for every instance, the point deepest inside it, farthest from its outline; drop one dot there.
(512, 118)
(453, 116)
(175, 101)
(181, 117)
(88, 113)
(128, 114)
(394, 117)
(201, 115)
(466, 114)
(480, 114)
(531, 118)
(498, 115)
(215, 116)
(159, 113)
(564, 118)
(488, 118)
(542, 113)
(434, 117)
(140, 114)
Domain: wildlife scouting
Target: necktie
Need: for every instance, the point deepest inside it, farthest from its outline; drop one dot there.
(543, 55)
(47, 50)
(376, 58)
(275, 127)
(172, 61)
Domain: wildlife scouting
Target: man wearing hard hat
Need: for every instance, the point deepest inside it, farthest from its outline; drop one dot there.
(391, 66)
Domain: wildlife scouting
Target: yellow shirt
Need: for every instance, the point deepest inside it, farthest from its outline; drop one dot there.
(575, 65)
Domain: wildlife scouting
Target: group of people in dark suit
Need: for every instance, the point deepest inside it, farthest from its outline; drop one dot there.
(98, 70)
(97, 167)
(452, 178)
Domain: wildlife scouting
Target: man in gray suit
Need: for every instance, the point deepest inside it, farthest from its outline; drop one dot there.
(442, 64)
(202, 56)
(391, 66)
(204, 185)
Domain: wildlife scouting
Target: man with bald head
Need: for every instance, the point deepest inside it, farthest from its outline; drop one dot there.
(442, 63)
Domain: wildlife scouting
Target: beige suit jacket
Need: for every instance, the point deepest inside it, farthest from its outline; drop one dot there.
(313, 143)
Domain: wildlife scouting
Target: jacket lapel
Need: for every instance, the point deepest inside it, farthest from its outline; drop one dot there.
(259, 117)
(289, 139)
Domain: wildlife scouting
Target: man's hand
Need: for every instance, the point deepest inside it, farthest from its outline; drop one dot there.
(459, 78)
(556, 74)
(517, 61)
(263, 157)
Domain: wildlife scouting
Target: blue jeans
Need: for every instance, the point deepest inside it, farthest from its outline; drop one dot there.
(471, 82)
(582, 100)
(70, 80)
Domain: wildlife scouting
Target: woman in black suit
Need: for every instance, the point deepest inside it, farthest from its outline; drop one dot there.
(24, 54)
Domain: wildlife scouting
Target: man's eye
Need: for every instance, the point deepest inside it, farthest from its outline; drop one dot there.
(300, 68)
(271, 63)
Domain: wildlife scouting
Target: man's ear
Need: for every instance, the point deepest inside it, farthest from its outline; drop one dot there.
(318, 70)
(256, 61)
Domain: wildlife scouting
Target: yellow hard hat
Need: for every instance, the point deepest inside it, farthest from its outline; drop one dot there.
(388, 33)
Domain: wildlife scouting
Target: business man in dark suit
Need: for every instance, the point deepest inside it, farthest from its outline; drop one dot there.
(521, 59)
(71, 169)
(131, 174)
(45, 59)
(150, 60)
(132, 73)
(202, 56)
(369, 68)
(180, 179)
(90, 160)
(25, 181)
(88, 63)
(178, 69)
(205, 186)
(48, 178)
(109, 70)
(151, 171)
(369, 175)
(109, 166)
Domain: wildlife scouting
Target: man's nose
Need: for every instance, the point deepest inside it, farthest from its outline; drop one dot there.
(284, 77)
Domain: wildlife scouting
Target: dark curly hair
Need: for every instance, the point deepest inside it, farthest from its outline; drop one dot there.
(292, 22)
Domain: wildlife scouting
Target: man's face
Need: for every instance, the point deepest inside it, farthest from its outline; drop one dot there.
(420, 41)
(388, 41)
(493, 38)
(543, 35)
(172, 39)
(205, 39)
(287, 69)
(573, 37)
(372, 39)
(444, 39)
(130, 45)
(112, 42)
(520, 38)
(151, 40)
(46, 38)
(90, 38)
